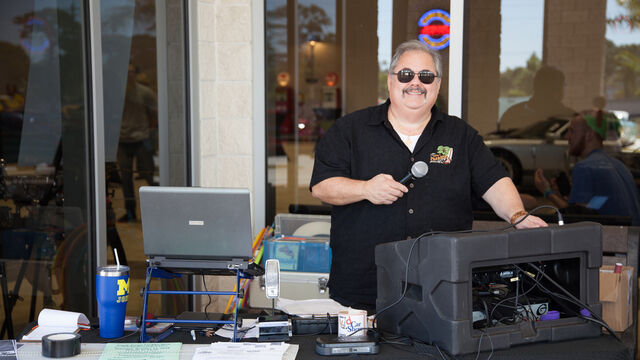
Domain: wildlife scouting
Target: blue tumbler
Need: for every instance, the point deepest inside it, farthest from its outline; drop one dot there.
(112, 290)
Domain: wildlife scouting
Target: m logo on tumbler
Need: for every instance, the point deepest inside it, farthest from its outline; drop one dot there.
(123, 290)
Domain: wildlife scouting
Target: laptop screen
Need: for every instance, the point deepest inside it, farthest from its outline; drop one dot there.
(196, 223)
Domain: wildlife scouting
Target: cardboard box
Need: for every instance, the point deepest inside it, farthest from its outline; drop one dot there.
(616, 293)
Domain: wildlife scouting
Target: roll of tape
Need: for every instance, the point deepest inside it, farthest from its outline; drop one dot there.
(60, 345)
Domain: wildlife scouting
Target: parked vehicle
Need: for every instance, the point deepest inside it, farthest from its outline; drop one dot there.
(542, 145)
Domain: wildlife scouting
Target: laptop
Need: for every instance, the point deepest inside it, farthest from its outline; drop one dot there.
(195, 229)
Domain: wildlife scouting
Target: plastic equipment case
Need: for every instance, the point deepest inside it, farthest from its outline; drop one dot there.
(301, 244)
(446, 269)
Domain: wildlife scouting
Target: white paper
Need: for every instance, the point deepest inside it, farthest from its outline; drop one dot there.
(310, 307)
(248, 330)
(52, 321)
(241, 351)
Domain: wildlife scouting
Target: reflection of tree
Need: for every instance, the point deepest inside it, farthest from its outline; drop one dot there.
(519, 81)
(631, 19)
(16, 59)
(118, 16)
(622, 71)
(68, 36)
(312, 21)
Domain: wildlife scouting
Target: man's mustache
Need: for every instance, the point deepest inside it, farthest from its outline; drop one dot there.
(414, 90)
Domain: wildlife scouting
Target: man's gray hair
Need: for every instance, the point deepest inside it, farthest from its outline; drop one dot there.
(416, 45)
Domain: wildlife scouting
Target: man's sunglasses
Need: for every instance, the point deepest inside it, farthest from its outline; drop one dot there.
(406, 75)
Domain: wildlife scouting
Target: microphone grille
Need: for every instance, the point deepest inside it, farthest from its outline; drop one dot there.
(419, 169)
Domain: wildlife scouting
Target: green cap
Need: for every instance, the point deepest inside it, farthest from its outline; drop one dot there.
(600, 129)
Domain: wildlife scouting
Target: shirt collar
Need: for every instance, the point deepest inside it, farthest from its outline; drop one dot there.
(381, 116)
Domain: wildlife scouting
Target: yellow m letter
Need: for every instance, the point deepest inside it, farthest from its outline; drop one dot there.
(123, 287)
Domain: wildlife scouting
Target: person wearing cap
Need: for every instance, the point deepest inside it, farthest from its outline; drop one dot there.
(599, 181)
(360, 159)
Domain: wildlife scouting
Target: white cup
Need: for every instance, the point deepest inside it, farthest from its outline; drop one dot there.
(352, 323)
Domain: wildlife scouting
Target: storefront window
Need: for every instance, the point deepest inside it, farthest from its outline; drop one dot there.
(144, 131)
(45, 257)
(47, 241)
(325, 59)
(523, 86)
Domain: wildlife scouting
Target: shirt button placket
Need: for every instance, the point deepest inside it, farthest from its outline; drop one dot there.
(410, 211)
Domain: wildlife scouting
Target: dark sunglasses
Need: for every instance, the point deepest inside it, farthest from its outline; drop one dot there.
(406, 75)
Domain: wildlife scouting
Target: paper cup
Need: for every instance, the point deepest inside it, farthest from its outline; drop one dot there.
(352, 323)
(618, 268)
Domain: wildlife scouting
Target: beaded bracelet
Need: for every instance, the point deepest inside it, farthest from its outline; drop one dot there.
(517, 215)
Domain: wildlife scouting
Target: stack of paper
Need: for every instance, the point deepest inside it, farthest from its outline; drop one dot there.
(310, 307)
(8, 349)
(241, 351)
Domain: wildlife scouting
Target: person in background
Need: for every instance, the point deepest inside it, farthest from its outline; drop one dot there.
(138, 115)
(599, 181)
(546, 101)
(363, 155)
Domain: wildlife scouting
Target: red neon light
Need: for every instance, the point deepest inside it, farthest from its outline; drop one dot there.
(434, 30)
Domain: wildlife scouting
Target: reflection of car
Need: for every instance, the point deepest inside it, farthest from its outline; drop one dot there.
(540, 145)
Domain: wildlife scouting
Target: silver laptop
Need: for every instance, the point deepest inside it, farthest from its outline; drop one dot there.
(194, 227)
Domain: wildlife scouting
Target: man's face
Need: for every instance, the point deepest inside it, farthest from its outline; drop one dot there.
(414, 95)
(576, 136)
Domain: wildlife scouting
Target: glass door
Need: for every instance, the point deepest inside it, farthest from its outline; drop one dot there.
(144, 123)
(325, 59)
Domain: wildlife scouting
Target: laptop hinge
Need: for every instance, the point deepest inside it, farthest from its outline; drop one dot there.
(237, 264)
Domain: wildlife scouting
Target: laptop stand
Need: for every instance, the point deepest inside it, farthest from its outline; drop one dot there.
(156, 272)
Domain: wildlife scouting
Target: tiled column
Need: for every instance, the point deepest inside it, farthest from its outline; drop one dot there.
(224, 31)
(574, 43)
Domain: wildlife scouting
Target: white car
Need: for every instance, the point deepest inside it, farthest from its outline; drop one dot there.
(542, 145)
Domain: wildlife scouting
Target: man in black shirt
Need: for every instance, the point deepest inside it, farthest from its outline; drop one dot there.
(360, 159)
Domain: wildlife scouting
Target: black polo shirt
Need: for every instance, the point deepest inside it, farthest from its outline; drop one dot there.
(362, 145)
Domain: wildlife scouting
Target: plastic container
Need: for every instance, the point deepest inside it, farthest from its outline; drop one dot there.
(308, 226)
(298, 254)
(300, 243)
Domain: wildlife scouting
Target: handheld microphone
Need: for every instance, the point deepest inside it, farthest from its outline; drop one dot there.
(418, 170)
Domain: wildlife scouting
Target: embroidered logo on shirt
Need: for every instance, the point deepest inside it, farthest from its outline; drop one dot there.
(444, 155)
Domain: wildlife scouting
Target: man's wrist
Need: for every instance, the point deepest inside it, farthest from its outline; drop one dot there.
(517, 215)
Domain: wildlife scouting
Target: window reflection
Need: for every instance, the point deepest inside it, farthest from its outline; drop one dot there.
(560, 61)
(325, 59)
(135, 153)
(43, 147)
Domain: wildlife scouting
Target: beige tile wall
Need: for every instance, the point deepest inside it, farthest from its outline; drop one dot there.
(224, 128)
(225, 93)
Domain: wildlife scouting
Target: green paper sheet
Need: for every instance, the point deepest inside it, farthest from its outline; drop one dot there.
(147, 351)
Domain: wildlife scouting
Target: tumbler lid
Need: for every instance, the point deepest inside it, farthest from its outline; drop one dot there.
(113, 270)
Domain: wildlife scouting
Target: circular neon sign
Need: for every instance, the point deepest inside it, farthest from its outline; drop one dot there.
(36, 35)
(434, 29)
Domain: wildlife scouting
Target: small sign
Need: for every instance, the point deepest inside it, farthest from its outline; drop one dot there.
(331, 79)
(283, 78)
(434, 29)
